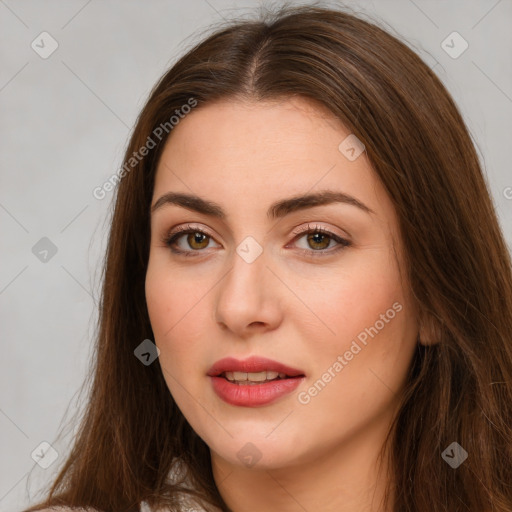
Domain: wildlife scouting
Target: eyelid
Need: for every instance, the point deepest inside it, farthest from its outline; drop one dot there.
(313, 226)
(188, 227)
(295, 231)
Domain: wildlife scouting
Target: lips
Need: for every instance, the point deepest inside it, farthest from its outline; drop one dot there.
(254, 393)
(252, 365)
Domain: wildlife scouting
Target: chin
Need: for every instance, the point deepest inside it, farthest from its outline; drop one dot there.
(253, 450)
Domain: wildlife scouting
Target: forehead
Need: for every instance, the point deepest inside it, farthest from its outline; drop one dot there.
(253, 126)
(247, 155)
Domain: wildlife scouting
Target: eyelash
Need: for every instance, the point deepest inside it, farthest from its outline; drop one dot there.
(170, 239)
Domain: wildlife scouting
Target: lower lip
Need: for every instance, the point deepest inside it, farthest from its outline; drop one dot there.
(254, 395)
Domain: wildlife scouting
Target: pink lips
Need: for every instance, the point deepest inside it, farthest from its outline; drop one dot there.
(253, 395)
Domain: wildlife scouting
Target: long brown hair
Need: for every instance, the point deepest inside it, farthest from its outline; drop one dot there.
(460, 382)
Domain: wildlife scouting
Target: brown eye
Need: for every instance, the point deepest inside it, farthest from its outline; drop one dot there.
(197, 240)
(188, 241)
(318, 240)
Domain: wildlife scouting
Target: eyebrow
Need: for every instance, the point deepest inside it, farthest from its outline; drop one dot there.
(276, 210)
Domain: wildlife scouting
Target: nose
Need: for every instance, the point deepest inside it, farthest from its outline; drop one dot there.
(247, 300)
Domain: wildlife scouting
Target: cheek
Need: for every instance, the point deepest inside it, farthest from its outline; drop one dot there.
(351, 298)
(169, 299)
(372, 328)
(361, 365)
(161, 303)
(167, 309)
(178, 317)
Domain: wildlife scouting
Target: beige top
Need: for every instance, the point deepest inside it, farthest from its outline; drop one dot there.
(144, 507)
(188, 504)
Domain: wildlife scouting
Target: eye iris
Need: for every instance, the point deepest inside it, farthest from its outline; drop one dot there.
(314, 237)
(199, 238)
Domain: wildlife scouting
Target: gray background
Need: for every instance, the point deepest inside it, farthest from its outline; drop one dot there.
(65, 121)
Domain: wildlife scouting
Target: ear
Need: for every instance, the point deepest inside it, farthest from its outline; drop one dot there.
(429, 330)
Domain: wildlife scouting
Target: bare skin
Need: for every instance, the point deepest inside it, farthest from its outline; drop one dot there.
(303, 302)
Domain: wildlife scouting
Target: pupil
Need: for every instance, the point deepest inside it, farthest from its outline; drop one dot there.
(316, 238)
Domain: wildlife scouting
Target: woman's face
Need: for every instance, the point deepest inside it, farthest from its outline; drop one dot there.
(334, 308)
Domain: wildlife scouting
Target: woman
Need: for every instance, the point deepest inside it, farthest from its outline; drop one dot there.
(307, 297)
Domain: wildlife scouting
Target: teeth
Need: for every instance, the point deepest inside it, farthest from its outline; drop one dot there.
(253, 376)
(257, 377)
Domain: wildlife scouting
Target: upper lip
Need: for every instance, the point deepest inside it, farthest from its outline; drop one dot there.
(252, 364)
